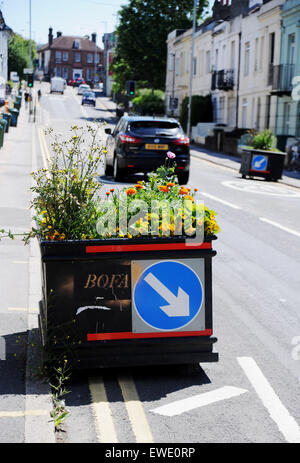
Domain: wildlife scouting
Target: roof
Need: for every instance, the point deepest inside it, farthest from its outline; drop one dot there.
(149, 118)
(3, 26)
(65, 42)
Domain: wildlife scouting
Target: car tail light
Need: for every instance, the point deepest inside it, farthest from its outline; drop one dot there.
(129, 140)
(182, 141)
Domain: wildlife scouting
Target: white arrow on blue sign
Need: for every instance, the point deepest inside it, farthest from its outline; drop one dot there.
(259, 162)
(168, 295)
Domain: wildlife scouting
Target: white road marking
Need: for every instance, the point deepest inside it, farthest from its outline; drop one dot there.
(279, 414)
(200, 400)
(233, 206)
(135, 411)
(278, 225)
(44, 149)
(104, 423)
(249, 186)
(16, 414)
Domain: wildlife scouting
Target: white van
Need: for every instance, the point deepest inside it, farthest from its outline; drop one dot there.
(57, 85)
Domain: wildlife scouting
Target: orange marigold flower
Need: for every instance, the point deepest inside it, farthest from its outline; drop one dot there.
(189, 197)
(131, 191)
(170, 184)
(183, 191)
(112, 190)
(108, 193)
(195, 189)
(163, 188)
(138, 187)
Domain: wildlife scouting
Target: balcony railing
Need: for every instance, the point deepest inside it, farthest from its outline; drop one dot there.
(223, 80)
(280, 78)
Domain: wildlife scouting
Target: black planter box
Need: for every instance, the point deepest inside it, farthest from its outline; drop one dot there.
(97, 301)
(261, 163)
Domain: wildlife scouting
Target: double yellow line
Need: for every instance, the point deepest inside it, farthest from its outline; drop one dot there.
(105, 427)
(44, 148)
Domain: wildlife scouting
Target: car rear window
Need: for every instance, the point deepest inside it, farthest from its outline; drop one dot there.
(89, 95)
(153, 127)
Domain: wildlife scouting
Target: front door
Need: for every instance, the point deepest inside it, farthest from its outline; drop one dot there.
(77, 74)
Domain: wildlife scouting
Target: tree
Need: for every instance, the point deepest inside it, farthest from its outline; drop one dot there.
(18, 54)
(201, 111)
(142, 34)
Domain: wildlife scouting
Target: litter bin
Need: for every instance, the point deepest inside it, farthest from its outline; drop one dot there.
(7, 117)
(18, 100)
(17, 105)
(14, 117)
(261, 163)
(2, 130)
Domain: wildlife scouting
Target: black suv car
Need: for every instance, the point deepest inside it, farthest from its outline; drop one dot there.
(140, 144)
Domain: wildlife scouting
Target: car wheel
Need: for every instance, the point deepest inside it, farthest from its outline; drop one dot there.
(183, 177)
(116, 170)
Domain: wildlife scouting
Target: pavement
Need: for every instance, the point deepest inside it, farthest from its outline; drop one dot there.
(25, 400)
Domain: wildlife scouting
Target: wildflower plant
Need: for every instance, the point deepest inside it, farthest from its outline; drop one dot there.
(65, 194)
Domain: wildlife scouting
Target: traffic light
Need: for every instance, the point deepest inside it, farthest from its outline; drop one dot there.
(30, 80)
(131, 84)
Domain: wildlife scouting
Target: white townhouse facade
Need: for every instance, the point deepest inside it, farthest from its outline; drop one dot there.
(234, 52)
(5, 33)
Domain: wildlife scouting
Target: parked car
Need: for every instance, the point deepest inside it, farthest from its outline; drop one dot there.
(83, 88)
(79, 81)
(140, 144)
(89, 98)
(71, 82)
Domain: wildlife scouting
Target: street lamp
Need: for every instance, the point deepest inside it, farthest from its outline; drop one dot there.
(191, 71)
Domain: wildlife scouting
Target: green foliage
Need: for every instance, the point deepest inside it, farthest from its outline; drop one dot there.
(18, 54)
(65, 193)
(149, 102)
(264, 140)
(142, 33)
(202, 110)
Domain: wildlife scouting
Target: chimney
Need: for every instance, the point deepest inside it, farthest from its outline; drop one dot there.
(58, 34)
(94, 37)
(50, 36)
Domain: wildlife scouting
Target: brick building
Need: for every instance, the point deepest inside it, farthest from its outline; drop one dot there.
(71, 57)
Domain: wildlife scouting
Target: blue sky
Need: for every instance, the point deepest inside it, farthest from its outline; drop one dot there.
(72, 17)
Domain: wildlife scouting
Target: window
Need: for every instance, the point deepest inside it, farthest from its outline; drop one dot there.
(177, 66)
(272, 47)
(187, 62)
(76, 44)
(261, 59)
(232, 55)
(89, 74)
(57, 56)
(268, 111)
(207, 63)
(291, 51)
(287, 118)
(89, 58)
(65, 73)
(77, 57)
(221, 110)
(97, 58)
(247, 59)
(65, 56)
(194, 66)
(256, 55)
(217, 60)
(258, 109)
(244, 112)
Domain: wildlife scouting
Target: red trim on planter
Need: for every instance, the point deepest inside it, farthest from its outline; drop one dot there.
(261, 171)
(129, 335)
(146, 247)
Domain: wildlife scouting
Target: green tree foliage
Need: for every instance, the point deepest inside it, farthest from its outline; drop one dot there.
(149, 103)
(141, 51)
(201, 111)
(18, 54)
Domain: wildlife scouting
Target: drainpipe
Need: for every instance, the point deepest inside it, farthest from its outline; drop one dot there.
(238, 83)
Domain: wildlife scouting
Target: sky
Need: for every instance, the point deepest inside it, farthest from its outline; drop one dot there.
(71, 17)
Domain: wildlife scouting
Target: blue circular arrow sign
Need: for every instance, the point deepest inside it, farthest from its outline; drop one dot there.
(168, 295)
(259, 162)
